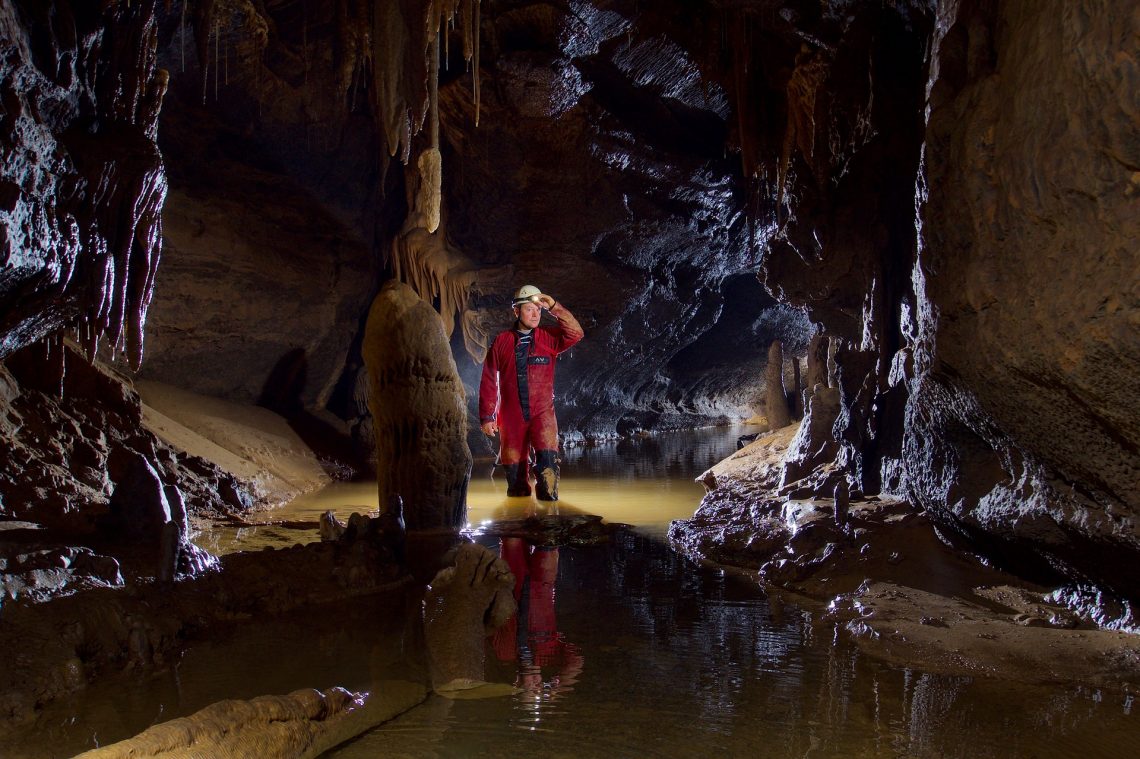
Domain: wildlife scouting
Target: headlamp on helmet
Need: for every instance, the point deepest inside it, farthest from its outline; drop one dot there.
(527, 294)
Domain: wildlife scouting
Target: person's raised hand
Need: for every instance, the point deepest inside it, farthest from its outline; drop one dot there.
(546, 301)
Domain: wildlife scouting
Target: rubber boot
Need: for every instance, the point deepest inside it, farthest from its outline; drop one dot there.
(546, 475)
(517, 485)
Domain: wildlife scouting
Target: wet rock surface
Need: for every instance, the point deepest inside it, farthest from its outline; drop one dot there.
(993, 631)
(82, 182)
(305, 723)
(465, 603)
(906, 591)
(62, 644)
(1021, 428)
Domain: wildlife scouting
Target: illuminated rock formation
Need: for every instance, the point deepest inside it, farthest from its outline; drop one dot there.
(418, 414)
(82, 181)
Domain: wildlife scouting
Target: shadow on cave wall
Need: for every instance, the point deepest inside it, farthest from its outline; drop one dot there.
(283, 393)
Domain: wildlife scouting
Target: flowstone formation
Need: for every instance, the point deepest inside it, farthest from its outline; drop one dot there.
(81, 181)
(418, 412)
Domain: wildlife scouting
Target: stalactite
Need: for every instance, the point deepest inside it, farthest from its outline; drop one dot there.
(475, 65)
(217, 53)
(741, 52)
(182, 35)
(435, 271)
(430, 162)
(203, 21)
(407, 96)
(807, 77)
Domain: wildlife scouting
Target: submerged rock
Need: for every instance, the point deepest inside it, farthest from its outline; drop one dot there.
(465, 604)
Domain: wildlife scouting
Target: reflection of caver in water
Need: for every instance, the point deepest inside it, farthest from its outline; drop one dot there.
(531, 636)
(516, 393)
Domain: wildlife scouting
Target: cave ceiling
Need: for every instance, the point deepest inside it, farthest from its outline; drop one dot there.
(625, 159)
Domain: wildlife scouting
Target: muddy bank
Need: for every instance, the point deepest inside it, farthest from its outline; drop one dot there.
(896, 583)
(64, 644)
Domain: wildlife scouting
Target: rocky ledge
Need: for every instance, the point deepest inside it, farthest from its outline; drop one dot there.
(895, 582)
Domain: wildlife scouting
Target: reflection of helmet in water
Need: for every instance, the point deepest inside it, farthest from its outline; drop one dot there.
(526, 293)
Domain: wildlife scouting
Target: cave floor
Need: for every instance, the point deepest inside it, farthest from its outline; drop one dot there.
(636, 650)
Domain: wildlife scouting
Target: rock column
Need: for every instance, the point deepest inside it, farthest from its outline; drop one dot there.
(418, 410)
(776, 399)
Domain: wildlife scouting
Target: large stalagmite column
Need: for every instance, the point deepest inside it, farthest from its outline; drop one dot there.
(418, 410)
(776, 399)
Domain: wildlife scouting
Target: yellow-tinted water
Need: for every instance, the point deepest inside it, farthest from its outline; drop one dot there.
(645, 483)
(631, 651)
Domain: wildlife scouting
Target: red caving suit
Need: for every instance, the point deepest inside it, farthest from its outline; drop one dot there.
(501, 389)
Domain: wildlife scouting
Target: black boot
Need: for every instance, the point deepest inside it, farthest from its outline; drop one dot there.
(546, 475)
(517, 485)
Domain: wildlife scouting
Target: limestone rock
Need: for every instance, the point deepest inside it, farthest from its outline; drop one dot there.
(275, 287)
(418, 411)
(304, 723)
(464, 604)
(1021, 422)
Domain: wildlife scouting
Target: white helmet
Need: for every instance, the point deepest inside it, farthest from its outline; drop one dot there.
(525, 294)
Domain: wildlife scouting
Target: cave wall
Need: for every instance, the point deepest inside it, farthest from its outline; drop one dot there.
(947, 189)
(599, 172)
(81, 180)
(271, 223)
(1021, 424)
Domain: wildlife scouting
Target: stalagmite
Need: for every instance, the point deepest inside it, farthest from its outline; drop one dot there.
(775, 398)
(816, 362)
(418, 410)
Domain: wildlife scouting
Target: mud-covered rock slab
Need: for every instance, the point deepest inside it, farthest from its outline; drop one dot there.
(302, 724)
(990, 632)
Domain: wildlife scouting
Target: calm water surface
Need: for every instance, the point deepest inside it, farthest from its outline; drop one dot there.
(632, 651)
(646, 483)
(639, 652)
(654, 656)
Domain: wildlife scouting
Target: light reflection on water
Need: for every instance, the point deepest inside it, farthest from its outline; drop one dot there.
(678, 660)
(646, 482)
(649, 654)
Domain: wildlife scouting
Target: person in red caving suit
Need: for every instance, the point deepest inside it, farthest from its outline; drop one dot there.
(516, 393)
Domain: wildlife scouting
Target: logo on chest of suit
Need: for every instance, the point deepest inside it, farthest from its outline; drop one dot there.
(538, 360)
